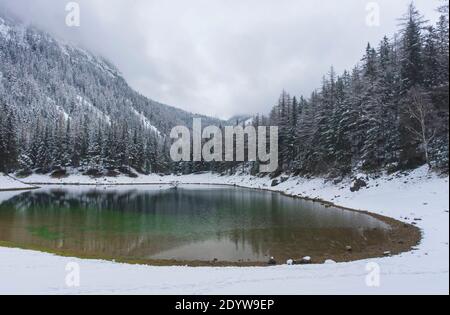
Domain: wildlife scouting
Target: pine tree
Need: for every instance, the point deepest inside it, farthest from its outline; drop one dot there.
(8, 141)
(432, 71)
(411, 60)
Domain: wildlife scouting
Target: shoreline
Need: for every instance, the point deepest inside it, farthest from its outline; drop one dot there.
(404, 237)
(19, 189)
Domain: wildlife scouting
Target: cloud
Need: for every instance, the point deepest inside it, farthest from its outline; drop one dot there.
(222, 57)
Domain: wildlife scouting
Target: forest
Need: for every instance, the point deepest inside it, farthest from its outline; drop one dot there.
(61, 107)
(389, 112)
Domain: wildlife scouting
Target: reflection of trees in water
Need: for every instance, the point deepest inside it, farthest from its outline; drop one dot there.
(136, 223)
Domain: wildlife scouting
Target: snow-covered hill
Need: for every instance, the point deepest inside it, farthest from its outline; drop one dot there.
(38, 70)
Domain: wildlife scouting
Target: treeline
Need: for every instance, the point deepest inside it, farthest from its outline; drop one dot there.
(390, 111)
(91, 146)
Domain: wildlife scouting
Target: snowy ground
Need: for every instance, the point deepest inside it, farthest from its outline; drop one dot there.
(8, 183)
(419, 195)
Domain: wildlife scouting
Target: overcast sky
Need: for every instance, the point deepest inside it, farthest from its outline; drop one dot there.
(222, 57)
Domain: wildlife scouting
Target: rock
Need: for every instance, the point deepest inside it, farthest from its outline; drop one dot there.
(133, 175)
(305, 260)
(290, 262)
(417, 219)
(93, 172)
(59, 173)
(329, 262)
(357, 184)
(112, 173)
(272, 261)
(348, 248)
(387, 253)
(275, 182)
(24, 173)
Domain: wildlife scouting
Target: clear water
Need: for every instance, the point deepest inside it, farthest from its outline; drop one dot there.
(191, 223)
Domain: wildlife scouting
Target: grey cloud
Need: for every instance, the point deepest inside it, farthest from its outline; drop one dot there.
(221, 57)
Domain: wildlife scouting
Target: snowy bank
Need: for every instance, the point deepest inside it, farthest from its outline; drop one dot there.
(419, 197)
(8, 183)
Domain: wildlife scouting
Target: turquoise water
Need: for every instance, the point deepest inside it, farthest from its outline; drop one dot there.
(191, 223)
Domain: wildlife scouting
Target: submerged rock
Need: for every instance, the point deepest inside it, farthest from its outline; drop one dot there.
(330, 262)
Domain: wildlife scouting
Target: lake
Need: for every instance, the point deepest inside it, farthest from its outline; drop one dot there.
(194, 225)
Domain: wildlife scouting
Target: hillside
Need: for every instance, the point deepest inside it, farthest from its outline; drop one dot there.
(60, 95)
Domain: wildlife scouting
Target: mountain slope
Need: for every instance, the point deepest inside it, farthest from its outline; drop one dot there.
(55, 90)
(57, 75)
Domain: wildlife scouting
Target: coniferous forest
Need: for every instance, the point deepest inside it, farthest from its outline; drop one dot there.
(390, 111)
(62, 107)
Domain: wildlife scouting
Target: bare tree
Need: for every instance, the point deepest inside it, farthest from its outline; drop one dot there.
(420, 111)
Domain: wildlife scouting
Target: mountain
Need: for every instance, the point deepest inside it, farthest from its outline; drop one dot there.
(55, 91)
(240, 119)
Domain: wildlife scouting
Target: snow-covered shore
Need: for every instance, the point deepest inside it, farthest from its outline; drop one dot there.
(8, 183)
(420, 197)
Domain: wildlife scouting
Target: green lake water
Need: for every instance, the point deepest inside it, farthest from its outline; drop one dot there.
(191, 223)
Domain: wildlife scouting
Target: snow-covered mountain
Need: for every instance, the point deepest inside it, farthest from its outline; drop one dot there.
(49, 85)
(41, 74)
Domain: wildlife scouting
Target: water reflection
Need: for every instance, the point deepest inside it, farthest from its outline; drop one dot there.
(188, 223)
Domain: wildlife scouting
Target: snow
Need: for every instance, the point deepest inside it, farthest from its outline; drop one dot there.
(4, 29)
(146, 122)
(9, 183)
(63, 113)
(98, 113)
(98, 62)
(417, 195)
(249, 121)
